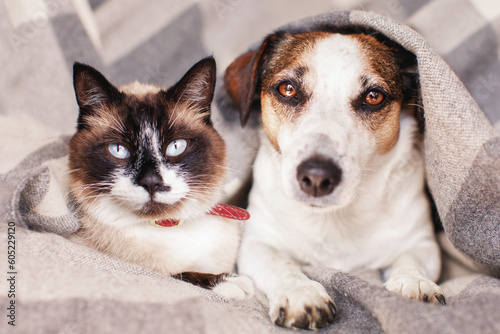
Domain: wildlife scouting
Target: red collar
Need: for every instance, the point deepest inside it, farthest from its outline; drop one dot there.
(221, 210)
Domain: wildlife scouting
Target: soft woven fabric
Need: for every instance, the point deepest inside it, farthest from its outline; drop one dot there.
(62, 287)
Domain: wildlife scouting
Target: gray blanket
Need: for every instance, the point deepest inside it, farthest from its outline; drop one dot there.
(57, 286)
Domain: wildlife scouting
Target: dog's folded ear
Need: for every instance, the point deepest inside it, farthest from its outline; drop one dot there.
(242, 79)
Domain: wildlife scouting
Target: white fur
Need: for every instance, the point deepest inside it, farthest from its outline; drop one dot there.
(208, 244)
(377, 217)
(139, 88)
(179, 187)
(205, 244)
(134, 197)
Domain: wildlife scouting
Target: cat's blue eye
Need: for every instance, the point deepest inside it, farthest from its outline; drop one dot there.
(118, 151)
(177, 147)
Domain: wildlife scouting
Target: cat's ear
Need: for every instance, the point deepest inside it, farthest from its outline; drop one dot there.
(92, 89)
(197, 86)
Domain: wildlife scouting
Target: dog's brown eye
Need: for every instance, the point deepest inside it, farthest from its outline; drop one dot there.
(374, 98)
(287, 90)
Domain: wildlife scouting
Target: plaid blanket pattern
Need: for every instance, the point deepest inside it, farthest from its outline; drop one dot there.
(62, 287)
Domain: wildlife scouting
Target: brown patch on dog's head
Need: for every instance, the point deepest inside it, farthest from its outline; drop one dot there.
(251, 76)
(254, 76)
(384, 64)
(385, 128)
(286, 65)
(141, 117)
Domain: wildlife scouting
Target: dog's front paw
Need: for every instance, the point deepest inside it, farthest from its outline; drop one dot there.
(418, 288)
(303, 307)
(235, 288)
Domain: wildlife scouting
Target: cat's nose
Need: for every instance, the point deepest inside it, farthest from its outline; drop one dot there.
(152, 182)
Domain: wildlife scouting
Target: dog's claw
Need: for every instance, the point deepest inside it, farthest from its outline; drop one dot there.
(416, 288)
(441, 299)
(333, 309)
(326, 317)
(435, 299)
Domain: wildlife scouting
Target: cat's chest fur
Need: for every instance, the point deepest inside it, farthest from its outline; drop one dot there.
(205, 244)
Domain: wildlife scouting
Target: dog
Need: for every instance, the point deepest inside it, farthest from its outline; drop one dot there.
(339, 174)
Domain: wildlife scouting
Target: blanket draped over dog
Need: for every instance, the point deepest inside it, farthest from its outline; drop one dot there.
(62, 287)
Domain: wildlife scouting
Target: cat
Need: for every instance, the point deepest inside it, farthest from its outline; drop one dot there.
(146, 167)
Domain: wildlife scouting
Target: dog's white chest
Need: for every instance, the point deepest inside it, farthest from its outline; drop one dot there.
(330, 241)
(369, 233)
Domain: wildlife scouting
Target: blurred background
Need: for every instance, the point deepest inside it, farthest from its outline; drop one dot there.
(156, 41)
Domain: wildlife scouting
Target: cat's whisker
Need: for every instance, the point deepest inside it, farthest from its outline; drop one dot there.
(203, 184)
(71, 171)
(228, 168)
(93, 187)
(207, 194)
(192, 177)
(201, 176)
(174, 111)
(208, 191)
(121, 125)
(205, 189)
(176, 118)
(88, 197)
(116, 129)
(199, 198)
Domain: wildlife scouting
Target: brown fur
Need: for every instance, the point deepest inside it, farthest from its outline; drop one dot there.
(271, 119)
(386, 129)
(381, 60)
(288, 54)
(201, 279)
(293, 53)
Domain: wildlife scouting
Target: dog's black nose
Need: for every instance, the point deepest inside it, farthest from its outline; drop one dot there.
(318, 176)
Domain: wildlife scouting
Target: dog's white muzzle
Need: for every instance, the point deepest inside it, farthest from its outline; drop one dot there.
(320, 169)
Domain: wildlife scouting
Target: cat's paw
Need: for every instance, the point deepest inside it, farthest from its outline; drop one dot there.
(418, 288)
(235, 288)
(306, 306)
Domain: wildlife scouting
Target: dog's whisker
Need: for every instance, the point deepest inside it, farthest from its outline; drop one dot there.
(416, 105)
